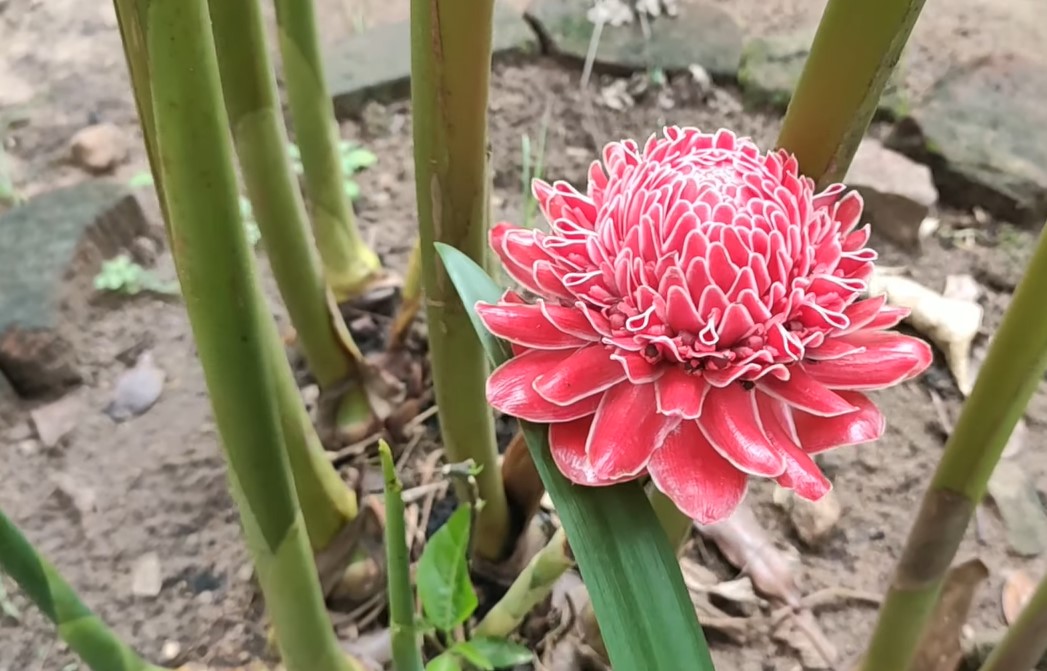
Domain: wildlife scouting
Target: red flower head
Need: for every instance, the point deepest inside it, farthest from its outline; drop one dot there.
(697, 318)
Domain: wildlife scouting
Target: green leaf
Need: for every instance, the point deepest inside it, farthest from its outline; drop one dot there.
(627, 562)
(358, 159)
(446, 592)
(494, 653)
(445, 662)
(474, 286)
(352, 189)
(140, 180)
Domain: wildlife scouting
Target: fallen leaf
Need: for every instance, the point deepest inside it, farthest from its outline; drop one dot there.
(137, 389)
(800, 633)
(747, 546)
(812, 520)
(146, 577)
(57, 419)
(951, 323)
(1017, 590)
(941, 647)
(1018, 503)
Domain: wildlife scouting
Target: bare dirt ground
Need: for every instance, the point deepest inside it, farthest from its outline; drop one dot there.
(157, 483)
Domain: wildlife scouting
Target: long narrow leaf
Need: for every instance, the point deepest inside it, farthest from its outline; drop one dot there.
(628, 564)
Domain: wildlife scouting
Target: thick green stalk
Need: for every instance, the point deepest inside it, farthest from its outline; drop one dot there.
(407, 654)
(855, 49)
(530, 588)
(450, 71)
(85, 634)
(1025, 643)
(1012, 371)
(256, 120)
(348, 261)
(217, 275)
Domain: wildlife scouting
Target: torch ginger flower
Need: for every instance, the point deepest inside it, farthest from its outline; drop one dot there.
(698, 319)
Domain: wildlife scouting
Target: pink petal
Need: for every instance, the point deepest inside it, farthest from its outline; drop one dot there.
(626, 430)
(510, 389)
(805, 393)
(527, 325)
(680, 393)
(730, 423)
(588, 371)
(887, 359)
(567, 446)
(702, 484)
(638, 369)
(818, 434)
(801, 474)
(525, 252)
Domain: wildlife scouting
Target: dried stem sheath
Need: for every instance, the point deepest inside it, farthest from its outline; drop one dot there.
(855, 50)
(450, 71)
(1013, 368)
(349, 263)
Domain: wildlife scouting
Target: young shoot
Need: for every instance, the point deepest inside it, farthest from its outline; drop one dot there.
(123, 276)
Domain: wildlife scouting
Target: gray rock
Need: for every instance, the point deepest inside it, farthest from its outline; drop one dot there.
(898, 192)
(700, 34)
(376, 65)
(771, 67)
(50, 248)
(981, 130)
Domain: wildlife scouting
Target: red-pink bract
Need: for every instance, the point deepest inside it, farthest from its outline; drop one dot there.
(696, 316)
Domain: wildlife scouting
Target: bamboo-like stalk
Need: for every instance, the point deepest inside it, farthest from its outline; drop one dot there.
(530, 588)
(217, 274)
(854, 52)
(251, 101)
(1025, 643)
(450, 71)
(349, 263)
(407, 654)
(1013, 368)
(410, 297)
(85, 634)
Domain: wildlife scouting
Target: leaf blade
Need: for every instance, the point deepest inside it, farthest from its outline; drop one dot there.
(444, 586)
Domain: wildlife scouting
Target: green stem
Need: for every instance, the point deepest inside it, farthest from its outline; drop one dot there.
(530, 588)
(407, 655)
(349, 263)
(217, 275)
(1012, 371)
(85, 634)
(1025, 643)
(450, 71)
(855, 49)
(261, 144)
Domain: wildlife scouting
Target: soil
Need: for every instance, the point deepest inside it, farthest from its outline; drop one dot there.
(111, 493)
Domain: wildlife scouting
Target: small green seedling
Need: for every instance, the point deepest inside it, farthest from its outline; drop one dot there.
(122, 275)
(448, 600)
(353, 159)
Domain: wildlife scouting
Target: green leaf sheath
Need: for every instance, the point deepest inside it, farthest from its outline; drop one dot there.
(1013, 369)
(444, 586)
(855, 50)
(628, 564)
(450, 71)
(407, 655)
(348, 262)
(217, 274)
(84, 633)
(256, 120)
(1025, 643)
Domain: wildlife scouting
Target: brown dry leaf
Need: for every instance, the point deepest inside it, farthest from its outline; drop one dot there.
(801, 633)
(1017, 590)
(747, 546)
(812, 520)
(941, 648)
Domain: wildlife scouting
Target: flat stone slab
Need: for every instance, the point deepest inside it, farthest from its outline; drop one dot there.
(50, 248)
(771, 67)
(376, 65)
(981, 129)
(700, 34)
